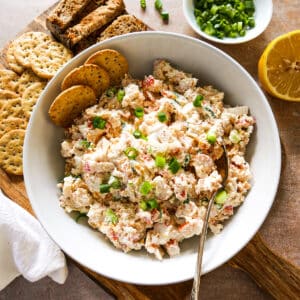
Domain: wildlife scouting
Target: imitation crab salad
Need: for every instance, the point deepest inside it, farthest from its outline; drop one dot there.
(140, 164)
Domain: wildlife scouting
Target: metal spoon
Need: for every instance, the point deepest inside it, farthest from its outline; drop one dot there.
(222, 166)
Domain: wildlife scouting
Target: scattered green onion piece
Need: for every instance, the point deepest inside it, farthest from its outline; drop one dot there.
(114, 182)
(164, 15)
(111, 92)
(104, 188)
(131, 153)
(187, 160)
(79, 216)
(85, 144)
(145, 188)
(143, 205)
(143, 4)
(212, 113)
(152, 203)
(111, 216)
(98, 122)
(160, 161)
(221, 197)
(158, 4)
(234, 136)
(139, 112)
(174, 165)
(198, 101)
(211, 136)
(120, 95)
(137, 134)
(162, 117)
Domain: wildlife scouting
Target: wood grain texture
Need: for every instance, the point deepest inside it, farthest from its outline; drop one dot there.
(280, 231)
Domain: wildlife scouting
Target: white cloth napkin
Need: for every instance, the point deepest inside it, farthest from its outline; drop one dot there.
(25, 247)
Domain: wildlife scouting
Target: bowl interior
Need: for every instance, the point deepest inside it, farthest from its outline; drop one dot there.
(43, 166)
(263, 15)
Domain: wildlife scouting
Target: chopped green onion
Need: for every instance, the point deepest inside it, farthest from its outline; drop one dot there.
(98, 122)
(162, 117)
(152, 203)
(104, 188)
(143, 4)
(79, 216)
(211, 136)
(114, 182)
(221, 197)
(145, 188)
(158, 4)
(187, 160)
(160, 161)
(120, 95)
(212, 113)
(234, 136)
(164, 15)
(131, 153)
(137, 134)
(139, 112)
(85, 144)
(111, 92)
(143, 205)
(174, 165)
(198, 101)
(111, 216)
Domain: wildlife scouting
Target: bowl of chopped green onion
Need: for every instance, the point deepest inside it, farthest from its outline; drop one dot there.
(228, 21)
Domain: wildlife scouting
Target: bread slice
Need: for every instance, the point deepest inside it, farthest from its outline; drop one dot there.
(122, 25)
(94, 21)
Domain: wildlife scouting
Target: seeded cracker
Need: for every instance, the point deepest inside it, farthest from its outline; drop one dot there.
(26, 80)
(12, 108)
(8, 80)
(92, 75)
(49, 58)
(10, 124)
(25, 44)
(70, 103)
(112, 61)
(30, 97)
(11, 151)
(11, 60)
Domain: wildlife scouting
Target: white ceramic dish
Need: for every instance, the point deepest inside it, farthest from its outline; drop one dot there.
(263, 15)
(43, 165)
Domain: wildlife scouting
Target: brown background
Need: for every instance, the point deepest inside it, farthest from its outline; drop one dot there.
(281, 229)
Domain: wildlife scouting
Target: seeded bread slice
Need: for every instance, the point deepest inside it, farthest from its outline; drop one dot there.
(122, 25)
(94, 21)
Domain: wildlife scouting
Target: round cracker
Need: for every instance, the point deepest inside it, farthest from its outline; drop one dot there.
(6, 95)
(112, 61)
(25, 44)
(11, 151)
(26, 80)
(12, 108)
(11, 60)
(30, 97)
(92, 75)
(70, 103)
(8, 80)
(49, 58)
(12, 123)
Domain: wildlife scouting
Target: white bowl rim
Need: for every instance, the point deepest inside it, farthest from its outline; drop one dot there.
(232, 41)
(277, 150)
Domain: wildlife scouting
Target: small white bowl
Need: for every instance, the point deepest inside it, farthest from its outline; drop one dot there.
(263, 15)
(44, 166)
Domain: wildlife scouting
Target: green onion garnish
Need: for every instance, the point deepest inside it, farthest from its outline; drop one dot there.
(111, 92)
(234, 136)
(211, 136)
(198, 101)
(152, 203)
(164, 15)
(114, 182)
(143, 205)
(145, 188)
(143, 4)
(120, 95)
(139, 112)
(111, 216)
(221, 197)
(79, 216)
(160, 161)
(98, 122)
(162, 117)
(187, 160)
(104, 188)
(158, 4)
(174, 165)
(139, 135)
(131, 152)
(85, 144)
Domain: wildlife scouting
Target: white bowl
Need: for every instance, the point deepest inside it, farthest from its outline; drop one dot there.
(263, 15)
(43, 165)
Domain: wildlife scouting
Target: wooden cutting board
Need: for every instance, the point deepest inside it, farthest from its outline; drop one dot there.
(281, 231)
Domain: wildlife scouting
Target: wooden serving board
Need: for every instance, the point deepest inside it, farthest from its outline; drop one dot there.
(280, 276)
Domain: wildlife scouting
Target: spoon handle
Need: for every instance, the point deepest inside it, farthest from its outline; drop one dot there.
(195, 295)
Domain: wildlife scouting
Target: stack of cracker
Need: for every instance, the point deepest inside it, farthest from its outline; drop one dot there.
(33, 58)
(78, 24)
